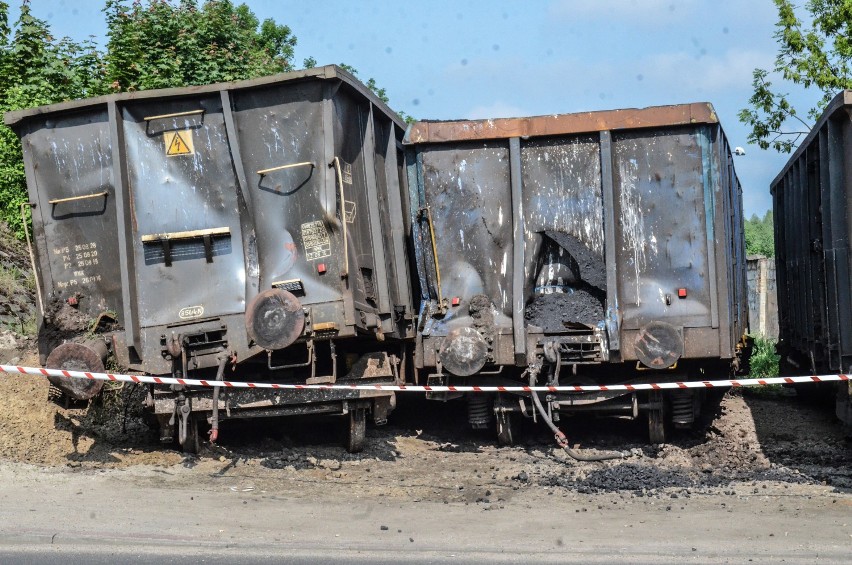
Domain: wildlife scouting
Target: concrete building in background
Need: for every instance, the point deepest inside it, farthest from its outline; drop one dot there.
(762, 296)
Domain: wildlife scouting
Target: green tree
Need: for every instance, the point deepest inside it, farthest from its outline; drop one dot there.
(760, 235)
(160, 44)
(36, 69)
(151, 44)
(813, 53)
(371, 84)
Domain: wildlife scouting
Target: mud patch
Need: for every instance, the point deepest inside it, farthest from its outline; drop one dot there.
(64, 322)
(62, 317)
(555, 312)
(108, 431)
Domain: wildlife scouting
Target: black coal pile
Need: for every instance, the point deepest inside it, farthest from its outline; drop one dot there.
(581, 281)
(751, 441)
(629, 476)
(650, 479)
(554, 312)
(587, 265)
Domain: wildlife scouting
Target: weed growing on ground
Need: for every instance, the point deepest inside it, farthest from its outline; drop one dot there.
(764, 364)
(11, 282)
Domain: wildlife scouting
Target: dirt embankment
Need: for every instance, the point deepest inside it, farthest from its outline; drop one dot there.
(427, 452)
(17, 287)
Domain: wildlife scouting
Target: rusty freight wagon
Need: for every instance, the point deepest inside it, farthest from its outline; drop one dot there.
(812, 240)
(254, 229)
(591, 248)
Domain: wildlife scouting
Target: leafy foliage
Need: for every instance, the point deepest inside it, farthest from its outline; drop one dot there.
(759, 235)
(159, 44)
(811, 56)
(36, 69)
(151, 44)
(371, 84)
(764, 360)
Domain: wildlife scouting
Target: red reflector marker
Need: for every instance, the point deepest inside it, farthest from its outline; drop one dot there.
(321, 268)
(456, 300)
(681, 293)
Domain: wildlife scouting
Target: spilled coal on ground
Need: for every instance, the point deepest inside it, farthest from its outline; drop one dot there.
(427, 451)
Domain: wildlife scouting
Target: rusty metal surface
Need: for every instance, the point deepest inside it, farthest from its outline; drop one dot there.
(175, 280)
(74, 240)
(274, 319)
(609, 226)
(74, 356)
(661, 227)
(813, 262)
(188, 232)
(561, 124)
(327, 72)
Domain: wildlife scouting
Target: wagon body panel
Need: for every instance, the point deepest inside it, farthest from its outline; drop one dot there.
(188, 206)
(631, 216)
(812, 200)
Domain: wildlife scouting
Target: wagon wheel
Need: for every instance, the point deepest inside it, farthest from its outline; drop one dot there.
(508, 422)
(508, 428)
(356, 431)
(193, 437)
(657, 419)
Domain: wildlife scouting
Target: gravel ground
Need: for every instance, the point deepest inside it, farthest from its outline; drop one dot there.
(426, 452)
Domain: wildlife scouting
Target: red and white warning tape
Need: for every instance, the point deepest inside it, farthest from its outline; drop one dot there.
(12, 369)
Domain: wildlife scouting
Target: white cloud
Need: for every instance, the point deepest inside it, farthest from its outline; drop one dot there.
(576, 83)
(708, 74)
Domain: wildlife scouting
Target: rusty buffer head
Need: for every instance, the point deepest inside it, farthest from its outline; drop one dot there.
(275, 319)
(658, 345)
(463, 352)
(77, 357)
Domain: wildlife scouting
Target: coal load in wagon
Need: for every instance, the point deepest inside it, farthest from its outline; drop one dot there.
(579, 299)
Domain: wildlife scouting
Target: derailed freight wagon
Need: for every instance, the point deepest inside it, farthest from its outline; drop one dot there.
(591, 248)
(254, 229)
(811, 200)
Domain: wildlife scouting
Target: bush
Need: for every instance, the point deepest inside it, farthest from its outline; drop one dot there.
(764, 359)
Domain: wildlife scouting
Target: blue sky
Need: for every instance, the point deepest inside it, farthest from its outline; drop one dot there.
(442, 59)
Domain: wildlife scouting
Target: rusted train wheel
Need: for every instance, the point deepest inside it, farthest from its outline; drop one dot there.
(193, 437)
(356, 431)
(657, 419)
(508, 422)
(508, 432)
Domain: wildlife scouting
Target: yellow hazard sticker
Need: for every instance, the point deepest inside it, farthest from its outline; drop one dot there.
(178, 142)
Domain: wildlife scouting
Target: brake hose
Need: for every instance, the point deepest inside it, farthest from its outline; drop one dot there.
(214, 420)
(563, 441)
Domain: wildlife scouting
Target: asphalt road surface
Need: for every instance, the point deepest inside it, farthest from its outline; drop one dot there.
(147, 516)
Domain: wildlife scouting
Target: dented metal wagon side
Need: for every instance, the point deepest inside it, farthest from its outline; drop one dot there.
(592, 248)
(254, 228)
(811, 201)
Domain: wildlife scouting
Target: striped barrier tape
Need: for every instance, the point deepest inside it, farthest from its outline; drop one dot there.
(12, 369)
